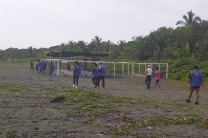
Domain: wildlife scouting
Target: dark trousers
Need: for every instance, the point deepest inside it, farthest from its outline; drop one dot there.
(95, 81)
(148, 81)
(103, 81)
(51, 73)
(44, 69)
(75, 80)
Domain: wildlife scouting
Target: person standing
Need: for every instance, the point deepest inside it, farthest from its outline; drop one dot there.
(76, 74)
(40, 67)
(157, 77)
(44, 66)
(37, 66)
(68, 67)
(31, 66)
(148, 78)
(52, 69)
(195, 82)
(102, 74)
(95, 75)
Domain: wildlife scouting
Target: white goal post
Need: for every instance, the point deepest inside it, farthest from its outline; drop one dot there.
(113, 69)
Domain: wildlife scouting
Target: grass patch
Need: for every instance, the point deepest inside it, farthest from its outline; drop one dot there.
(10, 133)
(89, 120)
(94, 106)
(43, 117)
(13, 88)
(111, 112)
(204, 124)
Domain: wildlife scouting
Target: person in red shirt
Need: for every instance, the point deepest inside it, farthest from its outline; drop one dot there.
(157, 77)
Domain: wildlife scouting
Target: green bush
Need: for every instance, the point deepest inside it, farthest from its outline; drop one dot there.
(179, 69)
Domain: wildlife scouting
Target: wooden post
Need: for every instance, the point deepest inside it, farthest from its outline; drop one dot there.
(159, 66)
(167, 71)
(122, 68)
(58, 69)
(60, 66)
(132, 75)
(114, 70)
(128, 68)
(139, 69)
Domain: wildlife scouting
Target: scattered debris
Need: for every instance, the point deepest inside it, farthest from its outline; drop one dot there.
(58, 99)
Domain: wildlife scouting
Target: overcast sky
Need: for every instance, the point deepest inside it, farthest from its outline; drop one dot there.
(45, 23)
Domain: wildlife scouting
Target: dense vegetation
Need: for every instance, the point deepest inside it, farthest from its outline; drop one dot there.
(181, 47)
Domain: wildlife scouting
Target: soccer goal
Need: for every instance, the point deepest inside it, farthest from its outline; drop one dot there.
(63, 67)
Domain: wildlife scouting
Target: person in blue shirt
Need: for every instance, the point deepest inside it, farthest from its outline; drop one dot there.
(95, 75)
(76, 74)
(44, 66)
(36, 66)
(195, 82)
(52, 69)
(102, 74)
(41, 66)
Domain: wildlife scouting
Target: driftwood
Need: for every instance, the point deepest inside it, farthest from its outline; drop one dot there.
(58, 99)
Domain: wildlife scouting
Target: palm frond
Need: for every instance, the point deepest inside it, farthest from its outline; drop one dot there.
(190, 16)
(186, 19)
(197, 19)
(180, 23)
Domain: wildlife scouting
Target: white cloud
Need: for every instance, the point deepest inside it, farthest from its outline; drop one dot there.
(43, 23)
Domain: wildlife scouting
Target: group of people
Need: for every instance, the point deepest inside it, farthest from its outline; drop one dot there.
(40, 66)
(194, 83)
(148, 78)
(98, 74)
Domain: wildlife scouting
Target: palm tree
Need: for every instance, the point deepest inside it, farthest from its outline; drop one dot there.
(190, 19)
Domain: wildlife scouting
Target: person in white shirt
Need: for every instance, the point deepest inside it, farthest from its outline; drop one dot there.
(148, 78)
(102, 74)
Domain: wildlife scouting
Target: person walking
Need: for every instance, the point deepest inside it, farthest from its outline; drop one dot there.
(31, 66)
(37, 65)
(40, 67)
(157, 77)
(68, 67)
(76, 74)
(44, 68)
(52, 69)
(102, 74)
(95, 75)
(148, 78)
(194, 83)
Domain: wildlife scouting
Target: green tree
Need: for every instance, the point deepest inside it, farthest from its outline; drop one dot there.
(94, 46)
(30, 51)
(189, 19)
(190, 22)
